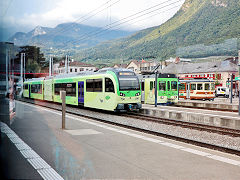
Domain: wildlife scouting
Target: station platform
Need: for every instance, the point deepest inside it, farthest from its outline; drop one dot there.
(93, 150)
(222, 104)
(203, 116)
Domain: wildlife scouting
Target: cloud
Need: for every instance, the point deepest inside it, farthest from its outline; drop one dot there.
(72, 10)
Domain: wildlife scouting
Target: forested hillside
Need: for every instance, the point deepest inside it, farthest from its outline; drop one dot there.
(199, 23)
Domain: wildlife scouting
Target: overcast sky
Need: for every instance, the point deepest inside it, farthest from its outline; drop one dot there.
(30, 13)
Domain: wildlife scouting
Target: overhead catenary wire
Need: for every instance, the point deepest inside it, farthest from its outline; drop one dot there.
(109, 26)
(87, 16)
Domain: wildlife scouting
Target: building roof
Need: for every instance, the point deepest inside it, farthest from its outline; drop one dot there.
(121, 65)
(183, 67)
(77, 63)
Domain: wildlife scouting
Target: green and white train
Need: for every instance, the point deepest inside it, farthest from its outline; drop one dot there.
(108, 89)
(167, 88)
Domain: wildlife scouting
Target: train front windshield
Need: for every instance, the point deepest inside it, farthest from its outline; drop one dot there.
(128, 83)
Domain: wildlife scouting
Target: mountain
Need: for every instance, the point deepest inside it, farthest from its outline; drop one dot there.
(198, 23)
(64, 36)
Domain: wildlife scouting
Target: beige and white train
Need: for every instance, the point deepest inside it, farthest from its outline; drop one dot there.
(202, 89)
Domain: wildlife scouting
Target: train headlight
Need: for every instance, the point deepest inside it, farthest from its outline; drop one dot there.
(137, 94)
(162, 97)
(121, 94)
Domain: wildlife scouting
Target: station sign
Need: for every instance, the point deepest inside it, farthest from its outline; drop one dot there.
(237, 78)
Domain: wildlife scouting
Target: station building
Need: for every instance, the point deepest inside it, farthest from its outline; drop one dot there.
(75, 66)
(220, 71)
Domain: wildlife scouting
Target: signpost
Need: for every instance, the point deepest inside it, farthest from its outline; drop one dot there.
(238, 79)
(63, 97)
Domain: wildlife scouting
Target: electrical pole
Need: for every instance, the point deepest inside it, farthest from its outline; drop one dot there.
(21, 75)
(7, 70)
(156, 73)
(231, 88)
(24, 68)
(66, 65)
(50, 66)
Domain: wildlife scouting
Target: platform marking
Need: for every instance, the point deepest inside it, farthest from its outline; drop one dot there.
(190, 150)
(43, 168)
(82, 132)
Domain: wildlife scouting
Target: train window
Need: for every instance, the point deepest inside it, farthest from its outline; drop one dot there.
(89, 85)
(36, 88)
(174, 85)
(162, 86)
(199, 86)
(25, 86)
(94, 85)
(193, 86)
(182, 86)
(212, 86)
(142, 86)
(70, 88)
(109, 86)
(152, 84)
(207, 86)
(97, 85)
(168, 86)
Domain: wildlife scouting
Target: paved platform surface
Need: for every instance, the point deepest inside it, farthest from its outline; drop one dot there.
(194, 110)
(93, 150)
(220, 100)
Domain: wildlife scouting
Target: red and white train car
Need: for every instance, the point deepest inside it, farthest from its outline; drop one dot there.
(202, 89)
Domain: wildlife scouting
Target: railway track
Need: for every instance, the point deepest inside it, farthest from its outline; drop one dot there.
(213, 109)
(225, 131)
(190, 125)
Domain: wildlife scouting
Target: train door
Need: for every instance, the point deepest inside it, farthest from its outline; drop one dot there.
(152, 89)
(81, 92)
(142, 89)
(29, 90)
(188, 91)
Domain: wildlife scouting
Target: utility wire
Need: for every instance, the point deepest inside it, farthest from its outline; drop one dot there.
(152, 16)
(86, 35)
(87, 16)
(9, 4)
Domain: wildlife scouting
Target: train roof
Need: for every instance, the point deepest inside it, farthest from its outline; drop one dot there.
(165, 75)
(84, 73)
(196, 80)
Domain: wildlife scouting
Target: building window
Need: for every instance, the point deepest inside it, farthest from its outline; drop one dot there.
(70, 69)
(76, 70)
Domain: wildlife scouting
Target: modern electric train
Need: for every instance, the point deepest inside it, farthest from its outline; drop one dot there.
(167, 88)
(108, 89)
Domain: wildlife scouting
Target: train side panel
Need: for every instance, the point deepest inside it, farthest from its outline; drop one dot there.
(149, 91)
(48, 90)
(36, 90)
(70, 86)
(26, 90)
